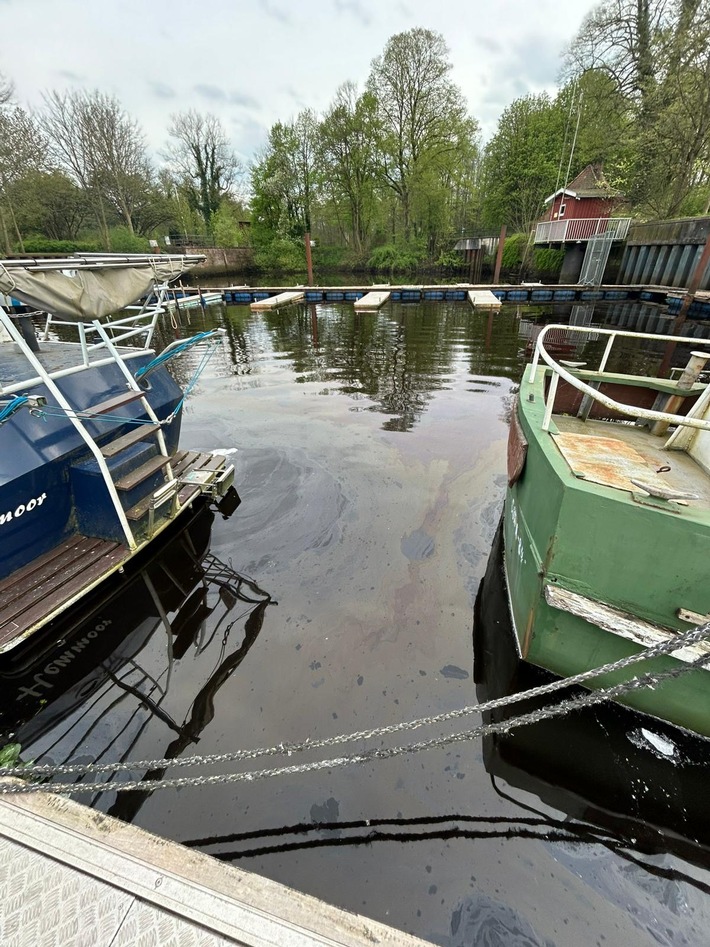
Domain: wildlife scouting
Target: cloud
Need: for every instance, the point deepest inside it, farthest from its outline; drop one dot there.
(356, 8)
(71, 76)
(248, 135)
(271, 10)
(535, 59)
(211, 92)
(296, 96)
(239, 98)
(161, 90)
(487, 43)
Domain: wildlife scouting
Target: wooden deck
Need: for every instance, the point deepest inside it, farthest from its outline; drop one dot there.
(53, 581)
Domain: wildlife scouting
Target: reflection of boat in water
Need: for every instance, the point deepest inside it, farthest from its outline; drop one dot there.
(90, 471)
(641, 780)
(145, 658)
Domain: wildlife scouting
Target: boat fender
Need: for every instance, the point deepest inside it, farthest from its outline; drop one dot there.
(517, 449)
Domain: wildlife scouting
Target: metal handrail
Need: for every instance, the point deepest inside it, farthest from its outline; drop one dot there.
(582, 228)
(78, 425)
(631, 411)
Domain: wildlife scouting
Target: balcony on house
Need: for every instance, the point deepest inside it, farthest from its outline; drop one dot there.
(573, 229)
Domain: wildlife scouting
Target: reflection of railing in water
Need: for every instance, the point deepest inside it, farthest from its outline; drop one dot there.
(108, 709)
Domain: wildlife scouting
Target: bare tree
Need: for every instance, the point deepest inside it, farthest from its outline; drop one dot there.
(7, 89)
(202, 161)
(102, 149)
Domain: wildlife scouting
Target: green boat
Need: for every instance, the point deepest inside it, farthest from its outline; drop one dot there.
(607, 513)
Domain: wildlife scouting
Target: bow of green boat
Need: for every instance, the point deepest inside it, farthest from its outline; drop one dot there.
(607, 515)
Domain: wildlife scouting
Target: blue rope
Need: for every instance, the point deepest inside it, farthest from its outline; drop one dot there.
(56, 412)
(176, 350)
(193, 381)
(12, 406)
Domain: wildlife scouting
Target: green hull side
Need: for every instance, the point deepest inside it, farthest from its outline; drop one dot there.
(600, 543)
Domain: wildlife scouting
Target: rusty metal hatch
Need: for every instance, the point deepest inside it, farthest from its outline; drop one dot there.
(607, 461)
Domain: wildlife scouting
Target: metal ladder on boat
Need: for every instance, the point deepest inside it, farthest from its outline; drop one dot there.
(169, 492)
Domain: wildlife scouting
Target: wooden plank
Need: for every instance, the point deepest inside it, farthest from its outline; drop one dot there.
(103, 407)
(142, 473)
(483, 299)
(273, 302)
(71, 566)
(372, 301)
(65, 587)
(37, 571)
(621, 623)
(139, 432)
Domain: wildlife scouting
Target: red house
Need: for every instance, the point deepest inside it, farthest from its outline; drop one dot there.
(581, 210)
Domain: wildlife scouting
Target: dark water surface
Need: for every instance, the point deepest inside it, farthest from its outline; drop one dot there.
(370, 459)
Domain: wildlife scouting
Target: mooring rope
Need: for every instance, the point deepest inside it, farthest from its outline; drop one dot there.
(377, 753)
(55, 411)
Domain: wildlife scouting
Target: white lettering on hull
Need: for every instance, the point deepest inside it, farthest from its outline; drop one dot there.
(21, 509)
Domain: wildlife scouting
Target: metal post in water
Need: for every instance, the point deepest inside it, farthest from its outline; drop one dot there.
(499, 254)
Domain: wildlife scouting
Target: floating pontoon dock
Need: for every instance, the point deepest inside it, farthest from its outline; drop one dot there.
(74, 877)
(372, 301)
(483, 299)
(282, 299)
(193, 300)
(458, 292)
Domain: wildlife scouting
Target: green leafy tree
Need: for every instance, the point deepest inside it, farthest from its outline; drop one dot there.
(426, 132)
(50, 203)
(521, 163)
(22, 150)
(656, 57)
(348, 146)
(284, 178)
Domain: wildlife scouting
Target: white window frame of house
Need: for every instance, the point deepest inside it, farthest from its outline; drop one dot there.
(561, 211)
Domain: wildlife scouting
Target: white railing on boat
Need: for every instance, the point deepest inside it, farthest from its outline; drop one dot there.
(689, 420)
(120, 330)
(582, 228)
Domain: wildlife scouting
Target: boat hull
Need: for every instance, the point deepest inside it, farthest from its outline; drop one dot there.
(566, 535)
(41, 461)
(605, 764)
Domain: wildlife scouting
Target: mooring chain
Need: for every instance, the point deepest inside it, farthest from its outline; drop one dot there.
(687, 638)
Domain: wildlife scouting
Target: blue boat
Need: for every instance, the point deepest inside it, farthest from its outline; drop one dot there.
(90, 466)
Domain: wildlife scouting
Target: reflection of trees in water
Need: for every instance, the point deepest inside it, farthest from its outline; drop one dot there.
(396, 359)
(392, 362)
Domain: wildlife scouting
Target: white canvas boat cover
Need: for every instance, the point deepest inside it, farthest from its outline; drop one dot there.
(84, 288)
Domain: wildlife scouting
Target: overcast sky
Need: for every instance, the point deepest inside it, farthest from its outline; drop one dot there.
(253, 62)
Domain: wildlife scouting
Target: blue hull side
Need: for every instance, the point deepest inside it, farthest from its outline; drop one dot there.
(37, 508)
